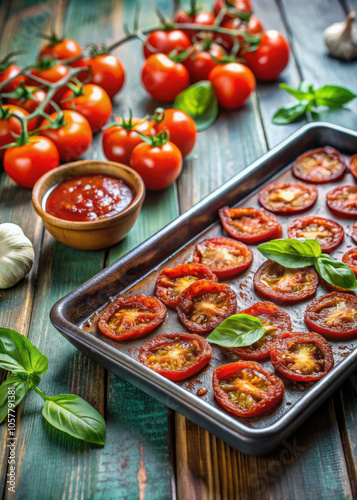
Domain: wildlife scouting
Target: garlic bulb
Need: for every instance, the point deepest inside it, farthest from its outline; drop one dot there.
(16, 255)
(341, 38)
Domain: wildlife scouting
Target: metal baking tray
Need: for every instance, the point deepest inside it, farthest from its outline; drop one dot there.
(75, 315)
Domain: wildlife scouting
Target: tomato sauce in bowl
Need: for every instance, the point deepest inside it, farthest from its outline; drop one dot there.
(90, 197)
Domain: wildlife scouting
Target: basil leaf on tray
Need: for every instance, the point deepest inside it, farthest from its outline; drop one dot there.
(335, 272)
(200, 102)
(238, 330)
(290, 252)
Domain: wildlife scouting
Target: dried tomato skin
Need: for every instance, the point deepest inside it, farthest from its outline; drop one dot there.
(282, 322)
(152, 305)
(197, 289)
(350, 259)
(274, 393)
(326, 151)
(339, 207)
(284, 296)
(314, 321)
(354, 232)
(353, 166)
(337, 230)
(287, 340)
(200, 271)
(161, 340)
(228, 271)
(272, 229)
(310, 202)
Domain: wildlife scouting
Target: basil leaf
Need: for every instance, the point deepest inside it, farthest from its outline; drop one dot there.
(237, 331)
(335, 272)
(21, 388)
(22, 352)
(291, 253)
(71, 414)
(306, 87)
(290, 113)
(333, 96)
(200, 102)
(298, 93)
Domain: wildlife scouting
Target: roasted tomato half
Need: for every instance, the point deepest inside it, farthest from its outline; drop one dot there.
(131, 317)
(342, 201)
(176, 355)
(274, 320)
(226, 257)
(287, 285)
(302, 356)
(205, 304)
(320, 166)
(246, 389)
(333, 315)
(350, 259)
(250, 225)
(327, 232)
(171, 282)
(285, 198)
(354, 232)
(353, 166)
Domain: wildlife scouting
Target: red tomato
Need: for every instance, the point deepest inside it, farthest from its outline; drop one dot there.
(50, 72)
(226, 257)
(237, 5)
(233, 83)
(250, 225)
(60, 50)
(165, 42)
(159, 166)
(73, 138)
(320, 166)
(92, 102)
(107, 72)
(333, 315)
(163, 78)
(203, 60)
(252, 27)
(270, 58)
(131, 317)
(302, 356)
(171, 282)
(203, 18)
(274, 320)
(353, 166)
(119, 140)
(26, 164)
(205, 304)
(286, 198)
(246, 389)
(176, 356)
(327, 232)
(8, 71)
(342, 201)
(354, 232)
(182, 130)
(29, 98)
(10, 126)
(285, 285)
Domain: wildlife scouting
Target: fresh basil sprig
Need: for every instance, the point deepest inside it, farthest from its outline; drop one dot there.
(303, 252)
(238, 330)
(200, 102)
(328, 96)
(67, 412)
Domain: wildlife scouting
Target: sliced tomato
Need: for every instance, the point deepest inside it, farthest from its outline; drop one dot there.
(302, 356)
(354, 232)
(334, 315)
(320, 166)
(250, 225)
(171, 282)
(246, 389)
(226, 257)
(342, 202)
(287, 285)
(350, 259)
(327, 232)
(353, 166)
(285, 198)
(274, 320)
(176, 356)
(131, 317)
(205, 304)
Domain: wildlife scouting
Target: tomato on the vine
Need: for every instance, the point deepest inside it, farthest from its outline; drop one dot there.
(203, 59)
(164, 78)
(28, 98)
(60, 49)
(203, 18)
(119, 139)
(159, 162)
(10, 125)
(26, 163)
(165, 41)
(91, 101)
(271, 56)
(238, 6)
(233, 83)
(8, 71)
(252, 27)
(182, 129)
(108, 72)
(50, 71)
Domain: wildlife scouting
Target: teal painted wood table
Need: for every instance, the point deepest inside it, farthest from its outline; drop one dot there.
(152, 452)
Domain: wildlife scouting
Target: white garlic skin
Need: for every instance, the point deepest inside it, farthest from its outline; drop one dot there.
(16, 255)
(341, 38)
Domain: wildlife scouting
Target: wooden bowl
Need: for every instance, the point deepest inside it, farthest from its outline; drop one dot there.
(91, 235)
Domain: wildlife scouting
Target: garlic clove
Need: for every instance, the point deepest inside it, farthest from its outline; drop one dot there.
(341, 38)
